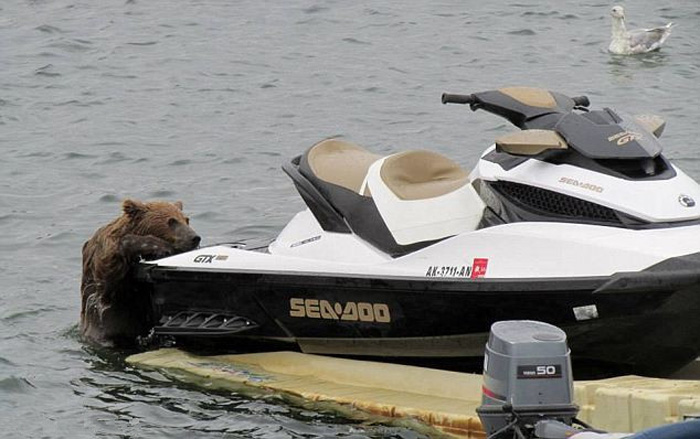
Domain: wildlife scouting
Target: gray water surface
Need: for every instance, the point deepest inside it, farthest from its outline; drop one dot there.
(202, 101)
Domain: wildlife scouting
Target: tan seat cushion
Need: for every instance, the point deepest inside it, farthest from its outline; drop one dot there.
(342, 163)
(416, 175)
(534, 97)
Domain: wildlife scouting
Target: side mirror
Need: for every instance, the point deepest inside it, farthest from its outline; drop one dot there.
(652, 123)
(530, 142)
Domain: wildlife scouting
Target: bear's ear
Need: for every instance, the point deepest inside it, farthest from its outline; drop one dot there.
(178, 204)
(133, 208)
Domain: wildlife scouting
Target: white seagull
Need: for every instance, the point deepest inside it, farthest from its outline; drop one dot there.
(636, 41)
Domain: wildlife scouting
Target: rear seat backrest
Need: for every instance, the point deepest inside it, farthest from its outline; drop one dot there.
(341, 163)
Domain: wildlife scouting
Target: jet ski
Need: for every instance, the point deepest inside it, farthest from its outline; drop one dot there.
(576, 219)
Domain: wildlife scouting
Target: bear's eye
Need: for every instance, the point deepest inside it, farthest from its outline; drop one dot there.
(187, 221)
(172, 222)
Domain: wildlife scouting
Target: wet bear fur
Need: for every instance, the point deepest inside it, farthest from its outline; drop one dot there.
(112, 312)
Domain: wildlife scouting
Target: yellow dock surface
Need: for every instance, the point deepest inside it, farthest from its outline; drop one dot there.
(440, 399)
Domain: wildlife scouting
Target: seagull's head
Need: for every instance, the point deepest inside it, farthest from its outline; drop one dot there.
(618, 12)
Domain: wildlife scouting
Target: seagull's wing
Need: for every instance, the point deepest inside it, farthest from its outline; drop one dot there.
(646, 40)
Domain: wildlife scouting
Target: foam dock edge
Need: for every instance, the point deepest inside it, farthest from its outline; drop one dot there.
(439, 399)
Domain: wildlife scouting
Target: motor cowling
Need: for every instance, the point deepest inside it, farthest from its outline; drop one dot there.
(528, 389)
(527, 377)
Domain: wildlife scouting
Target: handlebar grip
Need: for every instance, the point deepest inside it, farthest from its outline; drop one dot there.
(581, 101)
(448, 98)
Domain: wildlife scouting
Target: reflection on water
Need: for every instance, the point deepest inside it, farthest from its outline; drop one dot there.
(624, 67)
(147, 403)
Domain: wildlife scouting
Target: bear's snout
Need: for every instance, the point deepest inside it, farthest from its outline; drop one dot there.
(186, 238)
(196, 239)
(187, 243)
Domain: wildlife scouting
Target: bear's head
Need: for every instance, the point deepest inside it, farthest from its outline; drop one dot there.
(163, 220)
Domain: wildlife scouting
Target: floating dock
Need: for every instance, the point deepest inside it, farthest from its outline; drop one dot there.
(438, 399)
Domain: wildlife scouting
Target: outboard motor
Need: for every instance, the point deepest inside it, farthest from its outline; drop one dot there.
(528, 389)
(527, 377)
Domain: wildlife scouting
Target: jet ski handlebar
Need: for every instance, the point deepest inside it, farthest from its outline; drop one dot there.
(448, 98)
(524, 107)
(581, 101)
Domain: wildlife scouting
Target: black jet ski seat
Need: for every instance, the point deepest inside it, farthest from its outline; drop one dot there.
(335, 179)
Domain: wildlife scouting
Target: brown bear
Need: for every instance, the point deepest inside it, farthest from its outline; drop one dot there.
(112, 311)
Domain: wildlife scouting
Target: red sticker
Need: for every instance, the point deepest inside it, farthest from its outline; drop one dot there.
(479, 267)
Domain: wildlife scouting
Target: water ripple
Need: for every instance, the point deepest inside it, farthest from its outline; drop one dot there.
(356, 41)
(73, 46)
(181, 162)
(77, 156)
(315, 9)
(28, 314)
(145, 43)
(109, 199)
(46, 70)
(526, 32)
(569, 17)
(15, 384)
(56, 239)
(163, 194)
(48, 29)
(539, 14)
(114, 157)
(6, 362)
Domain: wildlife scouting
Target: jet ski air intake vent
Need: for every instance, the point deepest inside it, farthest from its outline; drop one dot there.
(203, 323)
(550, 203)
